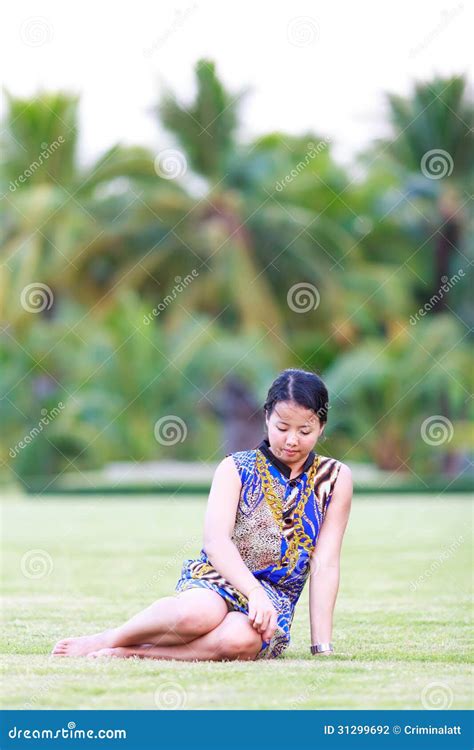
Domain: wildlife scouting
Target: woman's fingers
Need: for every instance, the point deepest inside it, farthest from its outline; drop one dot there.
(254, 620)
(268, 623)
(264, 623)
(272, 626)
(262, 614)
(259, 619)
(252, 612)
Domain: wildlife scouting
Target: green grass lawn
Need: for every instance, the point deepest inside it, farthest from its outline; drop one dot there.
(402, 621)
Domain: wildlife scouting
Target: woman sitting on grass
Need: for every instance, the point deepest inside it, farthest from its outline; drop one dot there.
(276, 515)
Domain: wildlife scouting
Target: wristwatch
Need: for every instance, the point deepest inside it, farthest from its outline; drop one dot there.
(318, 648)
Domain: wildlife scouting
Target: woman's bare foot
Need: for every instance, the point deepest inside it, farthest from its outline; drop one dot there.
(84, 644)
(121, 652)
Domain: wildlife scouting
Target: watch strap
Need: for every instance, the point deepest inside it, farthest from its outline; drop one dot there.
(318, 648)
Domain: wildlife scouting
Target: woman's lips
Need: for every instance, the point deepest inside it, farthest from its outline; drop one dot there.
(290, 453)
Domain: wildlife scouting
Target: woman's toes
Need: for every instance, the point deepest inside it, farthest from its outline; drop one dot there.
(60, 647)
(82, 645)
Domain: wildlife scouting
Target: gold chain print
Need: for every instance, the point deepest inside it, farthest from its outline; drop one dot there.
(300, 538)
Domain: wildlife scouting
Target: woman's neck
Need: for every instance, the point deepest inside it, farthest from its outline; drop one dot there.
(295, 471)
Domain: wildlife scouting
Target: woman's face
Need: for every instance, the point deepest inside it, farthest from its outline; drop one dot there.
(292, 432)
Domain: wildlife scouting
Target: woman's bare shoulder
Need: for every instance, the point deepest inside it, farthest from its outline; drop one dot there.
(227, 468)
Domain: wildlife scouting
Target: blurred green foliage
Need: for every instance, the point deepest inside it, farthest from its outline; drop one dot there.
(162, 273)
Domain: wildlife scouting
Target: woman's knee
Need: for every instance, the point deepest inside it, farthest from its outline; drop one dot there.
(200, 613)
(238, 639)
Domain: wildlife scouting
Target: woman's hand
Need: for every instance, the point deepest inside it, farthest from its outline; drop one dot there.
(262, 613)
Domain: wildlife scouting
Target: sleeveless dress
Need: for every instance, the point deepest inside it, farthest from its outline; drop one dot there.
(277, 525)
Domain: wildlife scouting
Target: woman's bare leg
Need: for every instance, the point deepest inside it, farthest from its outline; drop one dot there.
(233, 638)
(168, 621)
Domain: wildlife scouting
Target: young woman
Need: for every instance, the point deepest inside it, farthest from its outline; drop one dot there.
(276, 515)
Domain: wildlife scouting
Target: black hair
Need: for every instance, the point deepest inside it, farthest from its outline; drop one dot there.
(303, 388)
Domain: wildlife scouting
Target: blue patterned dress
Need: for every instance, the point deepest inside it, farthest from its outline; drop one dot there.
(276, 528)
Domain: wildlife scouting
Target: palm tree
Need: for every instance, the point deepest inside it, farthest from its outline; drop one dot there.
(79, 231)
(257, 236)
(432, 149)
(388, 397)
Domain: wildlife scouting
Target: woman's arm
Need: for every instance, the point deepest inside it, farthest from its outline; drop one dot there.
(222, 552)
(324, 571)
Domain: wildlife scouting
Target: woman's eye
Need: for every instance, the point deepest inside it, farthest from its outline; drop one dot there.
(281, 429)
